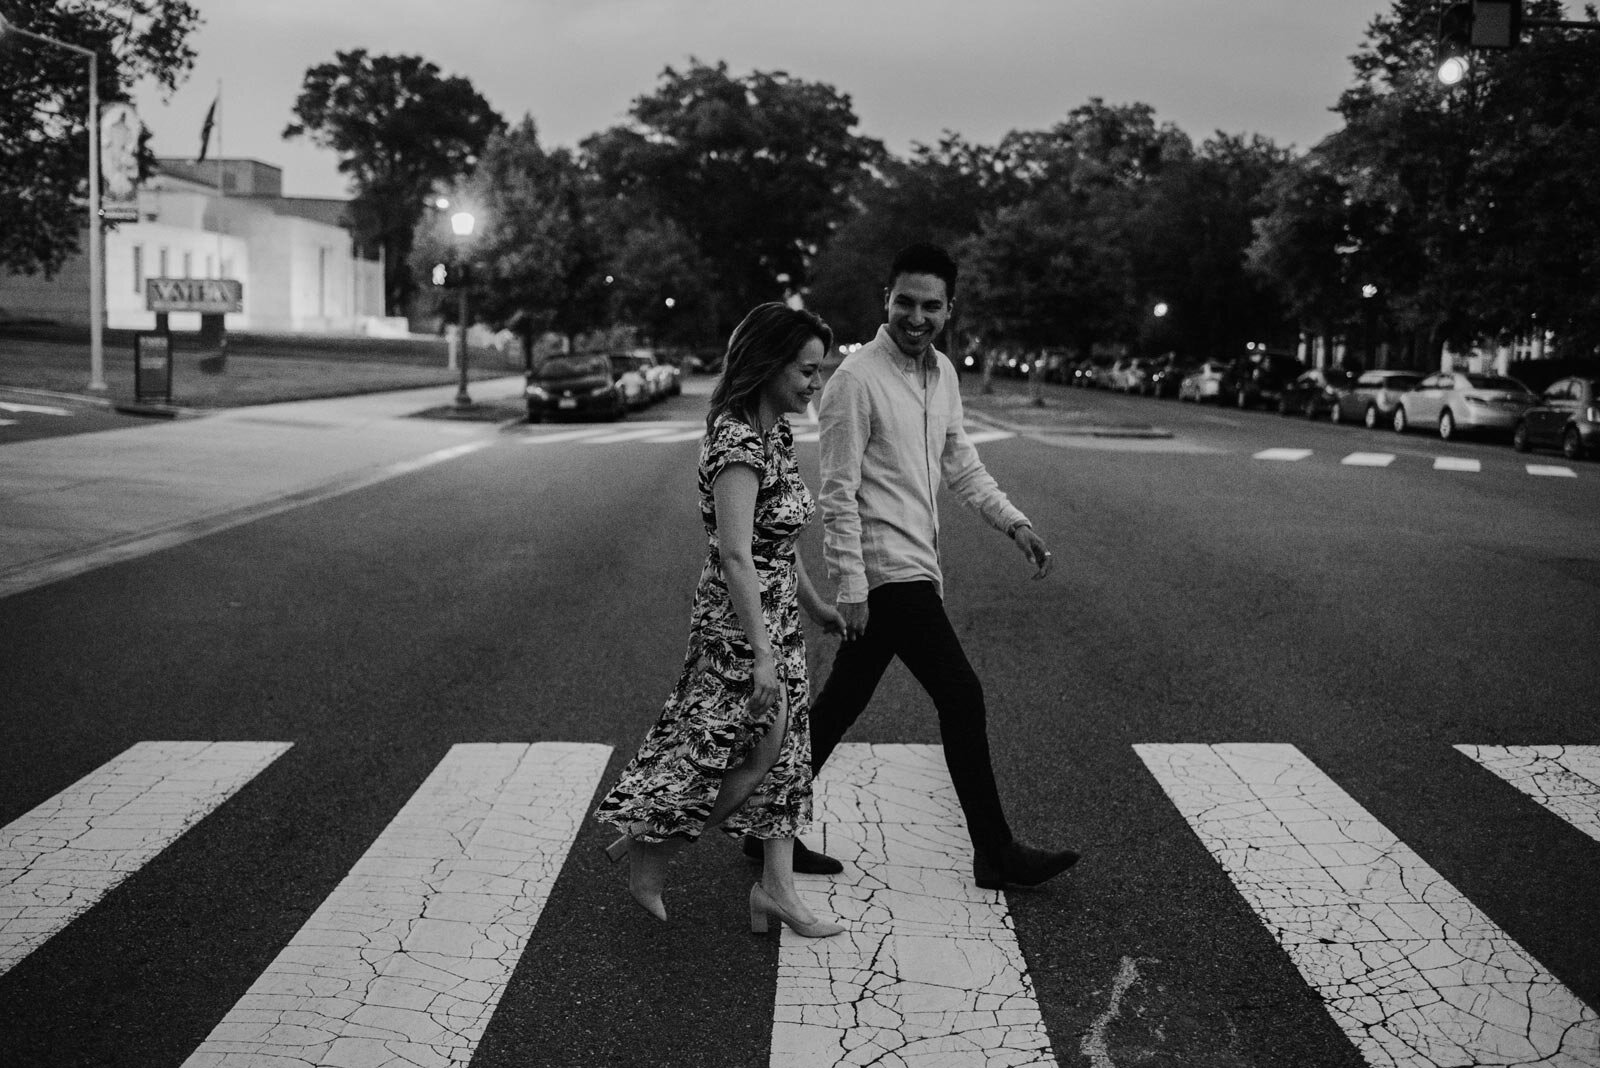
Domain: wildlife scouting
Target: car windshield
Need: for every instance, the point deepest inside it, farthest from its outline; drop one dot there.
(572, 366)
(626, 363)
(1510, 385)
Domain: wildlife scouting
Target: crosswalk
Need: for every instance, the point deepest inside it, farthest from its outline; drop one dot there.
(672, 432)
(18, 408)
(1386, 459)
(406, 960)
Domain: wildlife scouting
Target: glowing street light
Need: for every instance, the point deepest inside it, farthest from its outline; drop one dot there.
(1161, 309)
(97, 372)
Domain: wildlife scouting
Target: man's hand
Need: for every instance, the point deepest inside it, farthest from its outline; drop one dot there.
(855, 619)
(1032, 547)
(828, 618)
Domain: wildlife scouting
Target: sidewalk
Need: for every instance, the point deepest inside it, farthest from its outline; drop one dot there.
(71, 504)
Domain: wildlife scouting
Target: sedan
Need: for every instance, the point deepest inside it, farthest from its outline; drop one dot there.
(1567, 417)
(1167, 374)
(1373, 399)
(579, 384)
(1202, 384)
(1314, 392)
(1455, 402)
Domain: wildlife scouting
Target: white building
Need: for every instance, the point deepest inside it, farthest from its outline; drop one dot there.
(298, 264)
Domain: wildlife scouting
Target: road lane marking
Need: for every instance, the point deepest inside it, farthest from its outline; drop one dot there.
(681, 435)
(1411, 971)
(563, 435)
(64, 855)
(1551, 471)
(1453, 463)
(978, 437)
(930, 972)
(1563, 778)
(37, 409)
(8, 422)
(625, 435)
(1282, 454)
(405, 961)
(1369, 459)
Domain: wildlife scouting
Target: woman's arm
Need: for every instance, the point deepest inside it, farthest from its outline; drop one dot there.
(815, 606)
(734, 495)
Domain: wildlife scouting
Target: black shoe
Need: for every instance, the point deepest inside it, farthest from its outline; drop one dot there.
(1020, 865)
(806, 861)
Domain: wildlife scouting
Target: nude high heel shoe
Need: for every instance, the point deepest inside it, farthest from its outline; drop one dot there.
(763, 909)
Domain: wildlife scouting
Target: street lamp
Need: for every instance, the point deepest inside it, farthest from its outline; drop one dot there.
(97, 369)
(1160, 310)
(461, 224)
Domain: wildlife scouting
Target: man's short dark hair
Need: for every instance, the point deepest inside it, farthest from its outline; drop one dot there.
(923, 258)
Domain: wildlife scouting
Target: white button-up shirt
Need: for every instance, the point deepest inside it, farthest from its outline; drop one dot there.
(891, 428)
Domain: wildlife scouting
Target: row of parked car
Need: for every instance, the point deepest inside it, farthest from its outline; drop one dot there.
(1565, 416)
(604, 385)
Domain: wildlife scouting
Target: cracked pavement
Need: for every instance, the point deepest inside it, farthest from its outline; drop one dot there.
(405, 961)
(1411, 971)
(61, 857)
(929, 974)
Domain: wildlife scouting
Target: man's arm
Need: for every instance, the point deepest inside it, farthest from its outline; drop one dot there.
(845, 422)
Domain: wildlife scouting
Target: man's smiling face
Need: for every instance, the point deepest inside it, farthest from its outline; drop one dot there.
(917, 306)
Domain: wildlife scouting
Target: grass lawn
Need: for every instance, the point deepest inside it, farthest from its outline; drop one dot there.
(259, 369)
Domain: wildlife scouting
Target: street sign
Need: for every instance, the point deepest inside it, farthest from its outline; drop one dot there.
(206, 295)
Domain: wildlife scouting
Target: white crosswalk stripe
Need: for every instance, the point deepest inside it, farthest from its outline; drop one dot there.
(64, 855)
(1456, 463)
(930, 972)
(1286, 455)
(1551, 471)
(1411, 971)
(36, 409)
(405, 961)
(1369, 459)
(1385, 459)
(1563, 778)
(670, 433)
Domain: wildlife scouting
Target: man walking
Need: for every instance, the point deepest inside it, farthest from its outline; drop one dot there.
(891, 430)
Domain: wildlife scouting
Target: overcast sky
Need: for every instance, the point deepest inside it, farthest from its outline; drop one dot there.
(913, 68)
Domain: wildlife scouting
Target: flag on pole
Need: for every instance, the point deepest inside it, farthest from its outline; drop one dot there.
(205, 128)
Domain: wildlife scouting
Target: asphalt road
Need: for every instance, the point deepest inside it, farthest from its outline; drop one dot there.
(1372, 617)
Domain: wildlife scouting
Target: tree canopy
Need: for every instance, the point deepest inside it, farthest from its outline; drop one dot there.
(44, 108)
(400, 128)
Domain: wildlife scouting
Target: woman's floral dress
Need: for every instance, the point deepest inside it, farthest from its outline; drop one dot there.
(706, 727)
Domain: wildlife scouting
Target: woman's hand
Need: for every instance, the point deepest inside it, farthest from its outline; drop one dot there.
(764, 683)
(828, 618)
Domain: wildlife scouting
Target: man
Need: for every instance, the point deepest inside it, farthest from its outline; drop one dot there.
(891, 428)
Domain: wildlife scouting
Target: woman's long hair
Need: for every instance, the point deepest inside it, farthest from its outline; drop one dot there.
(769, 338)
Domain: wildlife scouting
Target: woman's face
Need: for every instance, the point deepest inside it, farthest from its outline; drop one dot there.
(791, 389)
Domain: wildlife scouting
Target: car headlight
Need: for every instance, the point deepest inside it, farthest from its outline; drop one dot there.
(599, 390)
(537, 393)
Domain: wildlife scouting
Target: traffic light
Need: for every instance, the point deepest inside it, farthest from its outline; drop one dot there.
(1496, 23)
(1468, 24)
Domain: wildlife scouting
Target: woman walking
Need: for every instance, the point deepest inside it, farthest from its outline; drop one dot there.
(732, 748)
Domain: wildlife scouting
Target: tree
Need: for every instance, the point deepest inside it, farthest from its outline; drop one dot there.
(44, 101)
(755, 171)
(400, 129)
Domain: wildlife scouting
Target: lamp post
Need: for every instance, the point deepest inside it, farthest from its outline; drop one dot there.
(461, 224)
(97, 370)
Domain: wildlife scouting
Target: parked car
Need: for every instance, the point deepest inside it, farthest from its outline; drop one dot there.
(1202, 384)
(1167, 374)
(1084, 371)
(576, 385)
(1373, 399)
(1567, 417)
(1259, 377)
(629, 373)
(1455, 402)
(1315, 391)
(1105, 374)
(1124, 373)
(659, 375)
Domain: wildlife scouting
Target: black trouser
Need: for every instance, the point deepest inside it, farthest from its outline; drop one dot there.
(907, 619)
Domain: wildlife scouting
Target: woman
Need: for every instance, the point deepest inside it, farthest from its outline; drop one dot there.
(732, 748)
